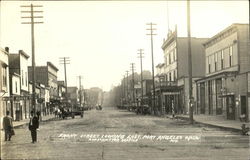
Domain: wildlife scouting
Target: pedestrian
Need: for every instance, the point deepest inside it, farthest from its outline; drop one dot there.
(55, 113)
(173, 111)
(33, 126)
(8, 126)
(38, 113)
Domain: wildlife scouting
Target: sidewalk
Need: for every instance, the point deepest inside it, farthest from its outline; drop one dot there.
(21, 123)
(216, 121)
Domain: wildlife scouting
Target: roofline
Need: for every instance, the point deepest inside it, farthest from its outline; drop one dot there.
(223, 31)
(23, 53)
(52, 65)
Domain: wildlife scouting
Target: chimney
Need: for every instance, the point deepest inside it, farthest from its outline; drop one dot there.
(7, 49)
(20, 51)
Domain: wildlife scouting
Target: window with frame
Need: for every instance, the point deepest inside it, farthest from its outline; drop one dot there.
(173, 51)
(4, 72)
(209, 64)
(26, 79)
(222, 59)
(169, 58)
(230, 56)
(175, 75)
(22, 78)
(215, 61)
(16, 85)
(175, 54)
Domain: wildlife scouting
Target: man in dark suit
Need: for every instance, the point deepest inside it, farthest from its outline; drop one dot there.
(7, 126)
(33, 126)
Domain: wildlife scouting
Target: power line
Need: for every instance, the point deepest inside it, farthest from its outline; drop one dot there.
(29, 9)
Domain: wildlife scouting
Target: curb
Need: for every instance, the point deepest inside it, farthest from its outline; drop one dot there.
(26, 123)
(212, 125)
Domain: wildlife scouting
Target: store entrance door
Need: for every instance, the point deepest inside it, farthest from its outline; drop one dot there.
(230, 107)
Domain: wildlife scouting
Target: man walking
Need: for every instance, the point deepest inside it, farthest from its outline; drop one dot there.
(7, 126)
(33, 125)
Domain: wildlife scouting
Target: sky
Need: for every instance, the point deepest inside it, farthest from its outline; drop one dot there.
(101, 38)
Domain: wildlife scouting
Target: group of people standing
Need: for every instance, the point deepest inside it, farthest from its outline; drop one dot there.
(60, 113)
(9, 129)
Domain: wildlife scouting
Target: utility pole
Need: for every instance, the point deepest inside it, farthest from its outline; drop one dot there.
(133, 81)
(65, 61)
(124, 89)
(152, 54)
(30, 11)
(189, 65)
(140, 56)
(80, 90)
(127, 87)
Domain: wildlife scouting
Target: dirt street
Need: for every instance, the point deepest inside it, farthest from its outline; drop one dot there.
(120, 135)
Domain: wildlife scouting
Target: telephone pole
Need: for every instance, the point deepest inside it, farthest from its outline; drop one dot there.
(140, 56)
(65, 61)
(133, 81)
(152, 54)
(80, 89)
(124, 89)
(127, 87)
(29, 13)
(189, 65)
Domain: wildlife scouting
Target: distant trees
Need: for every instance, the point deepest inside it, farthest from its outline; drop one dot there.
(117, 92)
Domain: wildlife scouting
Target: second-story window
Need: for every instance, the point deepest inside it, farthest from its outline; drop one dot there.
(170, 76)
(175, 54)
(174, 75)
(169, 58)
(26, 79)
(209, 64)
(22, 78)
(230, 56)
(4, 72)
(222, 59)
(16, 86)
(215, 61)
